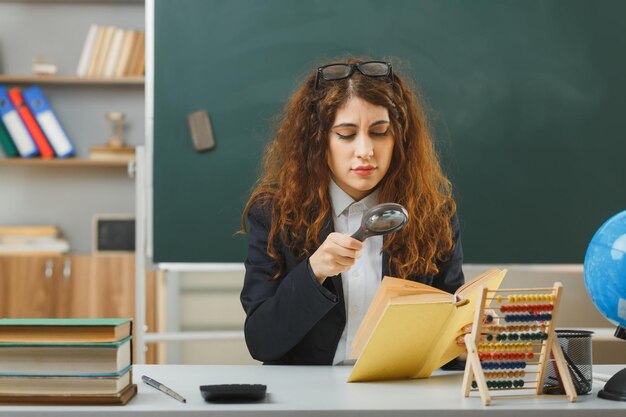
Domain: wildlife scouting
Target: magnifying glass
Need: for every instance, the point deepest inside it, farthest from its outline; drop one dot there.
(380, 220)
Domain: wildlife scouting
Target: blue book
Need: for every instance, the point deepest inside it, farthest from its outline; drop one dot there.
(15, 126)
(49, 122)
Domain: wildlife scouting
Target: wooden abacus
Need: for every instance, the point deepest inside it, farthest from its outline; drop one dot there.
(515, 344)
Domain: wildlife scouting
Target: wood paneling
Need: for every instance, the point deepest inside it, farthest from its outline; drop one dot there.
(28, 286)
(76, 286)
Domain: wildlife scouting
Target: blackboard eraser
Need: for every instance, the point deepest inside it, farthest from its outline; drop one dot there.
(201, 130)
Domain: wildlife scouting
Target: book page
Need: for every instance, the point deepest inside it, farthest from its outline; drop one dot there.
(389, 288)
(447, 348)
(423, 299)
(401, 341)
(481, 279)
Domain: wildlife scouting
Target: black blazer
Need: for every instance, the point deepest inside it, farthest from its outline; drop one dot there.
(293, 320)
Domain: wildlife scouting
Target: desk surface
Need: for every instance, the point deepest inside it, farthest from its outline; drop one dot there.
(316, 390)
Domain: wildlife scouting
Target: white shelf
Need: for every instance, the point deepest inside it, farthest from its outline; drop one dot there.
(70, 162)
(201, 267)
(69, 80)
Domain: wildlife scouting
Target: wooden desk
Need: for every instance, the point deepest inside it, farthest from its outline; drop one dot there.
(312, 391)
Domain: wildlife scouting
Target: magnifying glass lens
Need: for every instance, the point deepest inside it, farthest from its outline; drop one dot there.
(386, 221)
(380, 220)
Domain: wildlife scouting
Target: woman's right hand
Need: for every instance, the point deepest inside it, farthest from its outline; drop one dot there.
(335, 255)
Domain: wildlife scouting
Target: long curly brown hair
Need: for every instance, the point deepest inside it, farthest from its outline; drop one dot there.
(295, 180)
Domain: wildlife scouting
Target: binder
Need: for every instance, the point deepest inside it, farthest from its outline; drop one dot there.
(49, 122)
(46, 152)
(6, 143)
(15, 126)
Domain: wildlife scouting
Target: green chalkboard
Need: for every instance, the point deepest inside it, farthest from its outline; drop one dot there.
(527, 100)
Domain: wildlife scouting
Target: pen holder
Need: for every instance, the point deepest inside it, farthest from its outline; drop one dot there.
(576, 346)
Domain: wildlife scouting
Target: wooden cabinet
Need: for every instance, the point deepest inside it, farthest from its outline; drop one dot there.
(28, 286)
(99, 286)
(67, 286)
(74, 286)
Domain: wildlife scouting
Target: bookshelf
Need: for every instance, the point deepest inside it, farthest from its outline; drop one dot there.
(57, 32)
(69, 192)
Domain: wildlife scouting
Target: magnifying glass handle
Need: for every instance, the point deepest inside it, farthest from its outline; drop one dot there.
(360, 235)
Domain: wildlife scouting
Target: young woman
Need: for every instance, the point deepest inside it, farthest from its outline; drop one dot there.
(353, 135)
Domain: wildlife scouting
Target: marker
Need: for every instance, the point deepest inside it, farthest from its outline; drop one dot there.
(163, 388)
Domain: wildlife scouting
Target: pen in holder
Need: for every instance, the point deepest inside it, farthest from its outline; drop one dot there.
(576, 345)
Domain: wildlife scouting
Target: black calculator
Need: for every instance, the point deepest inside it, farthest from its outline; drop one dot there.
(233, 393)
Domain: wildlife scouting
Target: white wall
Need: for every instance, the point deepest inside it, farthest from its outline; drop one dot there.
(210, 301)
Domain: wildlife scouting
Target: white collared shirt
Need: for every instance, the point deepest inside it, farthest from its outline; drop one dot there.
(361, 281)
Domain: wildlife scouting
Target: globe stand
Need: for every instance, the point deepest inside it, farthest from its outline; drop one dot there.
(615, 388)
(620, 332)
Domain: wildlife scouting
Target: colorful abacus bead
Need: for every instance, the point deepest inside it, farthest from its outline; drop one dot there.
(527, 317)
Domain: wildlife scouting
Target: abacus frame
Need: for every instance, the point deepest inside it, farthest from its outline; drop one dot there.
(474, 369)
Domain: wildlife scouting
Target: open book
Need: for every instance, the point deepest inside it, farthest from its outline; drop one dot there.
(411, 329)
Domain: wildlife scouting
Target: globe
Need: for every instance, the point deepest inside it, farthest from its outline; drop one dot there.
(605, 280)
(605, 269)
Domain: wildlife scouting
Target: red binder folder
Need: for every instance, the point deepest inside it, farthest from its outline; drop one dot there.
(15, 94)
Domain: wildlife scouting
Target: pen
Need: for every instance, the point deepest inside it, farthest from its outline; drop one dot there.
(162, 388)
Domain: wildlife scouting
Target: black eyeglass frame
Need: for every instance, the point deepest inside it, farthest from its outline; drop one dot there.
(357, 66)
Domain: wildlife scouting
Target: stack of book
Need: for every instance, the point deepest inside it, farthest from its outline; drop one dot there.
(32, 239)
(29, 127)
(112, 52)
(112, 153)
(66, 361)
